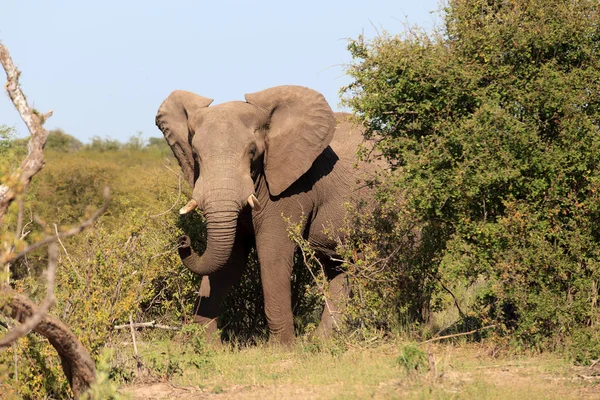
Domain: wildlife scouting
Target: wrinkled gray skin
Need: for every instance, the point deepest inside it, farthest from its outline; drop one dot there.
(287, 147)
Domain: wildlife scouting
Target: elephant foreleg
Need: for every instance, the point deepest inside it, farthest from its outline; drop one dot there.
(276, 256)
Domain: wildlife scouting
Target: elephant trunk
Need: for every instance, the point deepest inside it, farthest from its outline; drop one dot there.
(221, 225)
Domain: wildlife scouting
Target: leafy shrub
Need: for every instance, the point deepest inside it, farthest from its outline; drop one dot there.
(58, 140)
(390, 259)
(492, 129)
(11, 151)
(413, 359)
(106, 144)
(6, 139)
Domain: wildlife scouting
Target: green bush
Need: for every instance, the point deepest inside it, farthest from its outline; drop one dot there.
(492, 129)
(413, 359)
(106, 144)
(11, 152)
(58, 140)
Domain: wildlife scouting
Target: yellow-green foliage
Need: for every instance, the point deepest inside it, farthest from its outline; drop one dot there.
(11, 152)
(126, 264)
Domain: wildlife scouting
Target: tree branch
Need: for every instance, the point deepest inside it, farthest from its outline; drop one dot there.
(68, 233)
(76, 362)
(435, 339)
(33, 321)
(151, 324)
(34, 161)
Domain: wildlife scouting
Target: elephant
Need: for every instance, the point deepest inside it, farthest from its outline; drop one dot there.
(281, 153)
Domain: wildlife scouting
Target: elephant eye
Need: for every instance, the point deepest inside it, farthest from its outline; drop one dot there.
(252, 150)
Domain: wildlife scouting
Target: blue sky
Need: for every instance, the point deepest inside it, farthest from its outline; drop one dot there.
(104, 67)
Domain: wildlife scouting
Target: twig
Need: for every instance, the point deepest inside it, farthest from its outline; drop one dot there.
(458, 334)
(319, 285)
(165, 252)
(67, 254)
(453, 297)
(137, 356)
(18, 232)
(29, 324)
(151, 324)
(68, 233)
(173, 172)
(20, 219)
(15, 361)
(174, 204)
(368, 267)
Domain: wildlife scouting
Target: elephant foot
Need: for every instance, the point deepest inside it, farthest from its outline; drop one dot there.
(282, 339)
(210, 330)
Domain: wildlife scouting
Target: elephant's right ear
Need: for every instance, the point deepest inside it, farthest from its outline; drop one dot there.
(172, 120)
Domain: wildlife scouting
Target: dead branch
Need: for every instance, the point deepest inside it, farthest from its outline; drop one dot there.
(151, 324)
(460, 312)
(174, 204)
(68, 233)
(138, 362)
(34, 161)
(73, 268)
(44, 307)
(435, 339)
(76, 362)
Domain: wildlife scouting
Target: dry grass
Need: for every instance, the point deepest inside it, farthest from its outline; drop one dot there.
(263, 372)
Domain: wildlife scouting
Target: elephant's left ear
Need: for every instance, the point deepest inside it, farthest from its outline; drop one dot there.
(300, 126)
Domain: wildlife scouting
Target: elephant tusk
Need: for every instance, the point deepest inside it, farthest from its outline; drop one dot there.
(204, 287)
(190, 206)
(254, 203)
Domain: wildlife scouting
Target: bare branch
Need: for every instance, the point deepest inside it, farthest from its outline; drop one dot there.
(34, 161)
(68, 233)
(76, 362)
(136, 356)
(151, 324)
(174, 204)
(19, 230)
(33, 321)
(435, 339)
(73, 268)
(460, 312)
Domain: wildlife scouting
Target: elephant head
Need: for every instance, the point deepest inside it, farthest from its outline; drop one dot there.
(222, 149)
